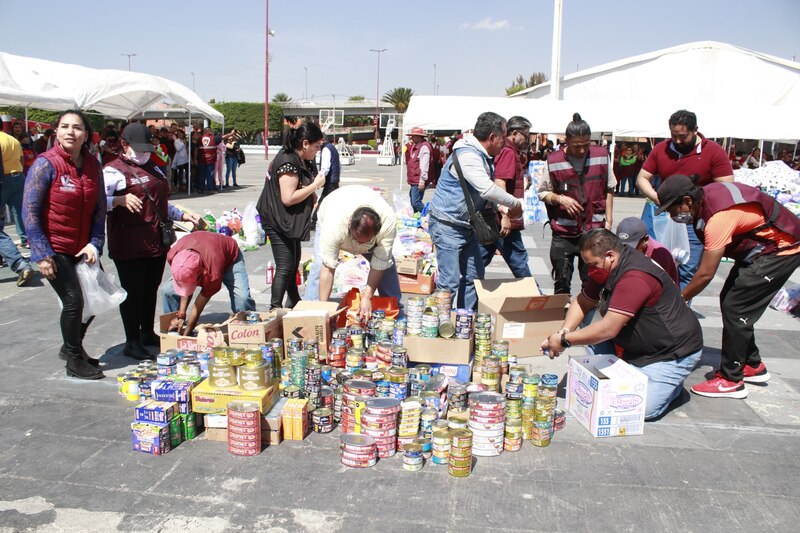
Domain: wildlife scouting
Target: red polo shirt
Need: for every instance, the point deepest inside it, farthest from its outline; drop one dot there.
(708, 160)
(508, 167)
(217, 254)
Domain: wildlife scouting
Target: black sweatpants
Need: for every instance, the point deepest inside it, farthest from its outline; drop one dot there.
(563, 251)
(68, 289)
(286, 252)
(744, 298)
(140, 278)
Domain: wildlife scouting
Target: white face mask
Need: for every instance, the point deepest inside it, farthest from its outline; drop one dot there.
(140, 158)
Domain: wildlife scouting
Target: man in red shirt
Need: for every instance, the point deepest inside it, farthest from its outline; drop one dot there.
(686, 152)
(509, 176)
(206, 161)
(632, 232)
(206, 260)
(642, 312)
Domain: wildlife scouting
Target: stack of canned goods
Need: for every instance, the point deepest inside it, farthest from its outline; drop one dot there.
(358, 451)
(399, 356)
(543, 412)
(338, 400)
(459, 459)
(383, 353)
(399, 333)
(490, 373)
(379, 421)
(188, 365)
(415, 306)
(427, 448)
(244, 428)
(408, 428)
(356, 337)
(354, 395)
(354, 359)
(167, 362)
(322, 420)
(463, 324)
(513, 436)
(559, 419)
(299, 362)
(530, 384)
(253, 376)
(457, 398)
(483, 338)
(222, 374)
(440, 446)
(313, 384)
(398, 382)
(412, 457)
(443, 299)
(430, 323)
(438, 383)
(487, 417)
(426, 417)
(312, 347)
(272, 364)
(500, 349)
(337, 353)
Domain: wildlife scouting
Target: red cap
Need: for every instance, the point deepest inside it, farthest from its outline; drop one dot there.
(185, 271)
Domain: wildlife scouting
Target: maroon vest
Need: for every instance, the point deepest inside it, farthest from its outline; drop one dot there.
(68, 209)
(137, 235)
(589, 190)
(747, 246)
(414, 171)
(208, 150)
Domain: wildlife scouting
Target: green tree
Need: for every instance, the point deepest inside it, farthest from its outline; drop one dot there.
(282, 98)
(399, 97)
(248, 117)
(357, 98)
(520, 83)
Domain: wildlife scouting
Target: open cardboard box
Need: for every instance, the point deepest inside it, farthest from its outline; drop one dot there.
(208, 336)
(438, 350)
(408, 265)
(241, 334)
(311, 320)
(521, 314)
(419, 284)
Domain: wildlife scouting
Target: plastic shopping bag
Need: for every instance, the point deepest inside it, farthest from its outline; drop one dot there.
(674, 236)
(101, 291)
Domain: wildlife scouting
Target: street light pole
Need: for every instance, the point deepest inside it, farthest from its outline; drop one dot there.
(129, 59)
(434, 79)
(305, 95)
(193, 90)
(269, 33)
(378, 94)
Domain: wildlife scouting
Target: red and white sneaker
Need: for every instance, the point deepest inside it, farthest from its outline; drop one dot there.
(719, 387)
(757, 374)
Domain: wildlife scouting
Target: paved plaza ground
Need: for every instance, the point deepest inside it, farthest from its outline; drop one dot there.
(66, 462)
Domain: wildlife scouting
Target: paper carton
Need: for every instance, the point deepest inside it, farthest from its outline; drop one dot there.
(408, 265)
(438, 350)
(209, 400)
(521, 314)
(311, 320)
(606, 395)
(241, 334)
(208, 336)
(155, 411)
(150, 437)
(419, 284)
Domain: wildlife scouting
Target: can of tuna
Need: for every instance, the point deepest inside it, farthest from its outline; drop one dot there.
(559, 419)
(253, 357)
(460, 438)
(446, 329)
(322, 420)
(221, 375)
(292, 391)
(132, 388)
(253, 378)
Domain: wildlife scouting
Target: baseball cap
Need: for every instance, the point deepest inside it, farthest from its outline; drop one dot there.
(185, 269)
(631, 230)
(672, 190)
(138, 136)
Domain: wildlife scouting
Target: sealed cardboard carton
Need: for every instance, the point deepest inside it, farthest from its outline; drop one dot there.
(606, 395)
(150, 437)
(208, 336)
(241, 334)
(408, 265)
(311, 320)
(155, 411)
(208, 400)
(521, 314)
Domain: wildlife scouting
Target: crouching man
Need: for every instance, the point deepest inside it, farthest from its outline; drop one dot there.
(642, 312)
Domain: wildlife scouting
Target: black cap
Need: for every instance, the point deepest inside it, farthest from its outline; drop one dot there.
(672, 190)
(631, 230)
(138, 137)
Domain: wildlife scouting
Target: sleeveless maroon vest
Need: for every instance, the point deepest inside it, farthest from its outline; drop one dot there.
(137, 235)
(414, 171)
(589, 190)
(747, 246)
(68, 209)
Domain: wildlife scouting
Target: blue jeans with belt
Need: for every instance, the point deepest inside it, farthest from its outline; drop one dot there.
(458, 257)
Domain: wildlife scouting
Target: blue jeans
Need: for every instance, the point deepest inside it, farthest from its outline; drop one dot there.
(13, 185)
(235, 280)
(686, 272)
(415, 195)
(206, 179)
(458, 256)
(11, 254)
(389, 285)
(230, 166)
(513, 251)
(602, 348)
(665, 382)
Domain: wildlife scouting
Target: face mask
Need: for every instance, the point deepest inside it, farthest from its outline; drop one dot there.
(140, 158)
(598, 275)
(683, 218)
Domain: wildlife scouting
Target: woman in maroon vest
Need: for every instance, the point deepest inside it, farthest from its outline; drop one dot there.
(137, 193)
(64, 213)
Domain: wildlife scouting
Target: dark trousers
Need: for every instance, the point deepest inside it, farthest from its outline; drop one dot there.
(286, 252)
(415, 195)
(563, 251)
(513, 251)
(140, 278)
(179, 174)
(68, 289)
(744, 298)
(326, 190)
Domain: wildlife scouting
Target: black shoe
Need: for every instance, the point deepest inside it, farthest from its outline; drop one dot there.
(135, 350)
(62, 354)
(78, 368)
(150, 339)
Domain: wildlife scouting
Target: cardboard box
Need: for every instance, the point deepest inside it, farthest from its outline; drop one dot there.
(295, 419)
(606, 395)
(419, 284)
(408, 265)
(438, 350)
(150, 437)
(174, 390)
(521, 314)
(155, 411)
(208, 400)
(208, 336)
(311, 320)
(217, 434)
(243, 334)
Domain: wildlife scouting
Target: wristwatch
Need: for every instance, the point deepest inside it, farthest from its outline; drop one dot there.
(564, 342)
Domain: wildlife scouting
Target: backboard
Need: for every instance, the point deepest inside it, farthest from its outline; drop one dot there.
(385, 118)
(337, 114)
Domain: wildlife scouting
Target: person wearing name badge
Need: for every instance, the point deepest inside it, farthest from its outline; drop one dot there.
(633, 232)
(642, 313)
(763, 238)
(208, 261)
(137, 191)
(64, 208)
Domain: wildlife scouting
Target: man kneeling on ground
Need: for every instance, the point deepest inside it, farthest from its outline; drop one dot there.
(642, 312)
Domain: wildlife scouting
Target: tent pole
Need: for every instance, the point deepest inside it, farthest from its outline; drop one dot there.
(760, 151)
(794, 152)
(26, 121)
(189, 146)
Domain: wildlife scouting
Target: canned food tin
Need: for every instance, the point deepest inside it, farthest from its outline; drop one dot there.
(460, 438)
(221, 375)
(459, 471)
(322, 420)
(253, 378)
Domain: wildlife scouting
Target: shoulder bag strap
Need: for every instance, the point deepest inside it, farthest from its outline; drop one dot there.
(467, 195)
(146, 192)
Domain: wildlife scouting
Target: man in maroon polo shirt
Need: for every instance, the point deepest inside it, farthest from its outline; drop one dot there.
(687, 152)
(509, 175)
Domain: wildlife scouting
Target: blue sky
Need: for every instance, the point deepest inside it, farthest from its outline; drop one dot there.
(478, 46)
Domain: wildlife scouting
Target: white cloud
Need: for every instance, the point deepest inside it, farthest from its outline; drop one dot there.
(486, 24)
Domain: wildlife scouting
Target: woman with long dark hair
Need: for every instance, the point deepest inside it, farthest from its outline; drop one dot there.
(64, 208)
(285, 206)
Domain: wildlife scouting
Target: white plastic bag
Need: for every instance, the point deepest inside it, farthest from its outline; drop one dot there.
(251, 226)
(101, 291)
(674, 236)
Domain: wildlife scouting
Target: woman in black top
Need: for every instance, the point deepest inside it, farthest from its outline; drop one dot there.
(231, 158)
(286, 204)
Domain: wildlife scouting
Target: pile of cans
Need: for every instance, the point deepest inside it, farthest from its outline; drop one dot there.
(355, 394)
(313, 384)
(438, 383)
(440, 444)
(543, 411)
(426, 417)
(459, 458)
(322, 420)
(337, 351)
(358, 451)
(483, 338)
(299, 362)
(412, 457)
(530, 385)
(244, 428)
(443, 300)
(415, 306)
(379, 421)
(135, 385)
(354, 359)
(487, 420)
(457, 398)
(463, 324)
(398, 382)
(500, 350)
(490, 372)
(399, 333)
(430, 323)
(408, 427)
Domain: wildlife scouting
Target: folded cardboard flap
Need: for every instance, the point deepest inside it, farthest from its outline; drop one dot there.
(268, 326)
